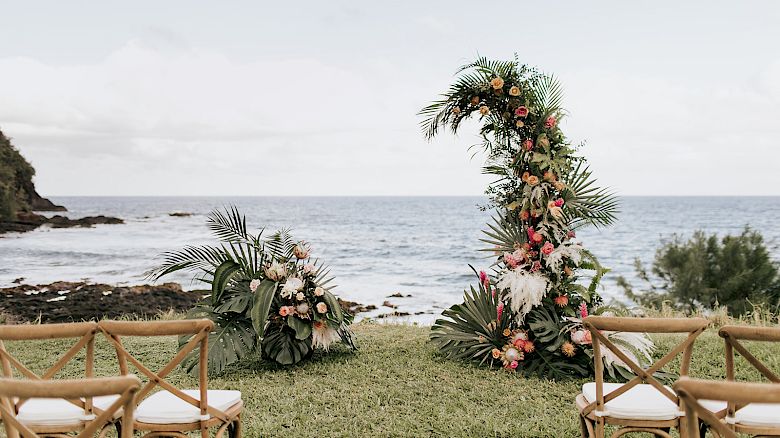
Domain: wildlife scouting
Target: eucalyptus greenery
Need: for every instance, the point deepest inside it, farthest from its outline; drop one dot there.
(252, 304)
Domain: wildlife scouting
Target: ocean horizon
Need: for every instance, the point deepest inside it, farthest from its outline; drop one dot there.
(419, 247)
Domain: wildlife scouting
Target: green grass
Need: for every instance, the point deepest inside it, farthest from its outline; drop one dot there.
(395, 385)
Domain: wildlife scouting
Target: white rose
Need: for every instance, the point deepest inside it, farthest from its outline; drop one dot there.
(319, 291)
(300, 296)
(254, 284)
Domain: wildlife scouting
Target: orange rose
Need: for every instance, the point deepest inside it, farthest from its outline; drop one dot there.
(533, 180)
(525, 176)
(520, 124)
(559, 186)
(514, 91)
(497, 83)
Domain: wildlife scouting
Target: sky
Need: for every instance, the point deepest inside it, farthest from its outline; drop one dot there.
(321, 98)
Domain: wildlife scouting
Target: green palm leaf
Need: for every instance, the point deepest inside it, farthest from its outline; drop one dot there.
(586, 203)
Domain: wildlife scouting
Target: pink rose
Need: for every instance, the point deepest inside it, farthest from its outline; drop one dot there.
(583, 310)
(528, 144)
(322, 307)
(536, 266)
(550, 122)
(521, 111)
(499, 310)
(510, 260)
(254, 284)
(547, 248)
(531, 232)
(559, 202)
(571, 234)
(537, 238)
(284, 311)
(513, 364)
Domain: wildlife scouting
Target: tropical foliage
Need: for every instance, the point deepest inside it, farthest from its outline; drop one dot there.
(705, 272)
(525, 315)
(267, 295)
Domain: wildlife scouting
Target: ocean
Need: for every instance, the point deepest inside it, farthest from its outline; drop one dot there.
(419, 247)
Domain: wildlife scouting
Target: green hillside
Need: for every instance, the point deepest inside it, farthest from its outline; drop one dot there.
(16, 183)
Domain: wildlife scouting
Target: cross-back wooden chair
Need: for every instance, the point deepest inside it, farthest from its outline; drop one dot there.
(53, 415)
(643, 404)
(119, 389)
(173, 411)
(696, 394)
(750, 418)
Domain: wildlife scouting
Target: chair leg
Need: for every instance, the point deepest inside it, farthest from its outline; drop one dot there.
(237, 427)
(586, 430)
(599, 428)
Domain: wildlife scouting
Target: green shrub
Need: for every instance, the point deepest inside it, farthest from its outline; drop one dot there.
(706, 272)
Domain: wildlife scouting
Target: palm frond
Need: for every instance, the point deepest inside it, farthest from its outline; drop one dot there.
(588, 204)
(548, 94)
(503, 235)
(229, 226)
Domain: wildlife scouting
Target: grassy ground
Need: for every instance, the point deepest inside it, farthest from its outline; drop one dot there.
(395, 385)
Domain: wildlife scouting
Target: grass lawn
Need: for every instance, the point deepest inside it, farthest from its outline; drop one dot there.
(395, 385)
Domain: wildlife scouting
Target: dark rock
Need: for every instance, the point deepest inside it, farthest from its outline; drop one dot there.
(18, 280)
(79, 301)
(399, 295)
(393, 315)
(390, 305)
(355, 308)
(180, 214)
(26, 221)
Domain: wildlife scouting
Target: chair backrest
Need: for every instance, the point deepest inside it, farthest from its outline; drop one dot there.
(198, 330)
(125, 387)
(691, 391)
(732, 335)
(597, 324)
(84, 335)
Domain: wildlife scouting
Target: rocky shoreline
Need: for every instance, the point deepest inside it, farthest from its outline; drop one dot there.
(64, 301)
(26, 221)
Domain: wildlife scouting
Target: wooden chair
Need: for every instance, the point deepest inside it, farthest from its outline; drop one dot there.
(120, 389)
(754, 418)
(693, 392)
(53, 415)
(173, 411)
(643, 404)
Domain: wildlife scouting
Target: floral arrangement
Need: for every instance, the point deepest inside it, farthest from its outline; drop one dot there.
(267, 295)
(526, 312)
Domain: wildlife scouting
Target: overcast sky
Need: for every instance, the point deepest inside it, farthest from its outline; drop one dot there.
(320, 97)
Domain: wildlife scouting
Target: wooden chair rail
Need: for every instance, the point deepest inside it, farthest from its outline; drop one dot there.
(27, 332)
(156, 328)
(646, 325)
(747, 333)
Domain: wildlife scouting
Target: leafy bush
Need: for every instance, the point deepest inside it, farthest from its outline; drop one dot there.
(705, 272)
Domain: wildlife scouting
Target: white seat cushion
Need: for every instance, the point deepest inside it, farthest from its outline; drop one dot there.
(165, 408)
(50, 412)
(759, 414)
(57, 411)
(641, 402)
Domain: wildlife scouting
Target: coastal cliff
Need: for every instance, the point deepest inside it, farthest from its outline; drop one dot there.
(19, 199)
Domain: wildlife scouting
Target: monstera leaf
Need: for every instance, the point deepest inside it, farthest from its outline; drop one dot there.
(232, 339)
(280, 344)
